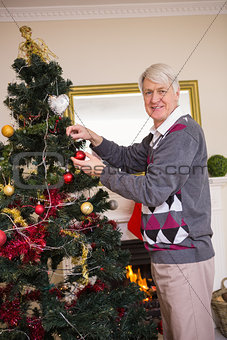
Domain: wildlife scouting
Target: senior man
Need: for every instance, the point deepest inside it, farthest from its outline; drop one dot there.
(175, 198)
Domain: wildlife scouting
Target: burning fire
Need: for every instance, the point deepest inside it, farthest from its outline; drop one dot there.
(142, 283)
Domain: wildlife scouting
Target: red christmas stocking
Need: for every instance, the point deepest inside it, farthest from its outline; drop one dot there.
(135, 221)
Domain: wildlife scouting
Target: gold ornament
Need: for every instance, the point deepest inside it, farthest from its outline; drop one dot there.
(86, 208)
(8, 190)
(16, 216)
(63, 287)
(31, 46)
(42, 197)
(7, 130)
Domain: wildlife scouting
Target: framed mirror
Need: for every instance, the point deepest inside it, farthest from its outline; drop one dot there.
(116, 111)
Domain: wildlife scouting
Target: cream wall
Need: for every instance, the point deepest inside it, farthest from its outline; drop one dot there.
(117, 51)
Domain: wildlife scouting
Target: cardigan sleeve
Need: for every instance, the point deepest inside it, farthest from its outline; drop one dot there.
(131, 159)
(165, 175)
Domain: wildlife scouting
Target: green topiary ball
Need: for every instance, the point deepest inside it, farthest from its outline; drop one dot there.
(217, 166)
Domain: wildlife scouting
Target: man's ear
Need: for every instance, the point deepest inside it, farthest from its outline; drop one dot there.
(178, 93)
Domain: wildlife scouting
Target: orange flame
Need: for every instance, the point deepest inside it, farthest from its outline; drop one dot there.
(142, 283)
(137, 278)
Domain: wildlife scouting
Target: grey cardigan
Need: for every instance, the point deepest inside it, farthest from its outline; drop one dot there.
(174, 191)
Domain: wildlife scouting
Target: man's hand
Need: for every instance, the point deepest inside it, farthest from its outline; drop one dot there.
(91, 167)
(81, 132)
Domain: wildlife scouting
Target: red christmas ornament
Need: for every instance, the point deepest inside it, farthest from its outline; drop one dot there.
(121, 313)
(3, 238)
(68, 177)
(39, 209)
(80, 155)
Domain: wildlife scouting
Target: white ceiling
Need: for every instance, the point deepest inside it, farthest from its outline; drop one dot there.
(47, 3)
(43, 10)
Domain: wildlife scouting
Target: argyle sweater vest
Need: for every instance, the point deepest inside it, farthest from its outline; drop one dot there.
(163, 227)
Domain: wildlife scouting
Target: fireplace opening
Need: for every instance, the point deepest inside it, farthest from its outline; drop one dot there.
(139, 255)
(139, 271)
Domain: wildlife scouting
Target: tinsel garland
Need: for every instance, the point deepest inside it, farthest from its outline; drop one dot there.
(97, 287)
(17, 218)
(36, 330)
(11, 314)
(57, 292)
(81, 261)
(91, 221)
(27, 246)
(55, 198)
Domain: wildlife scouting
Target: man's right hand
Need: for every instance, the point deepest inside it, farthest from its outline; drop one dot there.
(81, 132)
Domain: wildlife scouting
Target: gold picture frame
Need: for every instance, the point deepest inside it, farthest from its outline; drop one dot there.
(188, 87)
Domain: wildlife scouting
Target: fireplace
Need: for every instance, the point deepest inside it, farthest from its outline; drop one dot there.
(141, 268)
(139, 257)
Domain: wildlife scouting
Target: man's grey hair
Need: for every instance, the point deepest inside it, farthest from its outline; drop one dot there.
(160, 73)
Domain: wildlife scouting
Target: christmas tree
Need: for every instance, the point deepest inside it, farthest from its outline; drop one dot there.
(50, 212)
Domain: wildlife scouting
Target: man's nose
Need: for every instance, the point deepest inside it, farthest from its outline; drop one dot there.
(155, 97)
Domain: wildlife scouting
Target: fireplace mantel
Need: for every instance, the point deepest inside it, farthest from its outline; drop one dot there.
(125, 207)
(219, 229)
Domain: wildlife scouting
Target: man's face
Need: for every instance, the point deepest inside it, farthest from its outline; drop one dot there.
(160, 100)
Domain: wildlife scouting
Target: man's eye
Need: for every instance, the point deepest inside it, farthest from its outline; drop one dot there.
(162, 91)
(147, 93)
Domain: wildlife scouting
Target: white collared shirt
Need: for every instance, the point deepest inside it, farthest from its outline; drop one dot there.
(164, 127)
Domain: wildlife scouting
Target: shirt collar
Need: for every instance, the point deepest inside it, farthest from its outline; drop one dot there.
(173, 117)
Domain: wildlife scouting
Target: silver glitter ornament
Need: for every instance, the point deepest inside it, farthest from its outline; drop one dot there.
(58, 104)
(113, 204)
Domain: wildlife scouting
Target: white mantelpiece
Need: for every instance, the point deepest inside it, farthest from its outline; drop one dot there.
(125, 207)
(218, 225)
